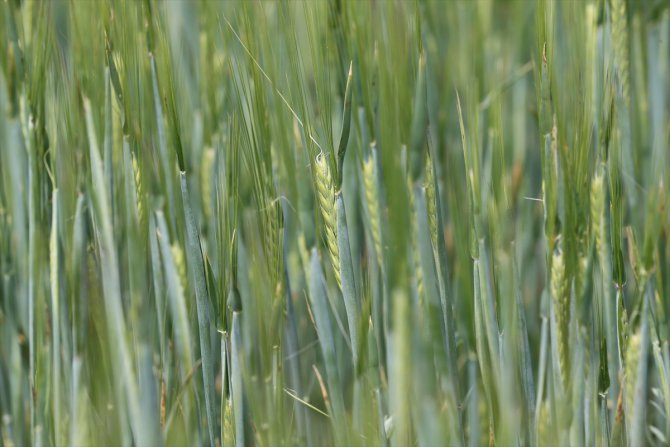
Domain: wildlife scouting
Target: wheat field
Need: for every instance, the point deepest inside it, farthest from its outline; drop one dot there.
(334, 223)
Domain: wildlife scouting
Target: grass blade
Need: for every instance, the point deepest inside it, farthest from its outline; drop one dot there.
(197, 274)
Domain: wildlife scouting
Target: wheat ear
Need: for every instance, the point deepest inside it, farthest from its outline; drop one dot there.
(372, 198)
(560, 293)
(326, 197)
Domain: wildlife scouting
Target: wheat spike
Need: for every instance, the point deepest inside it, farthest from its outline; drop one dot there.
(206, 169)
(372, 198)
(560, 293)
(597, 210)
(630, 372)
(326, 198)
(228, 428)
(622, 321)
(431, 204)
(138, 189)
(178, 255)
(117, 126)
(544, 427)
(620, 44)
(274, 243)
(415, 243)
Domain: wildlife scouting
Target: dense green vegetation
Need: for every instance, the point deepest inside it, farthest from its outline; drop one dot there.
(334, 223)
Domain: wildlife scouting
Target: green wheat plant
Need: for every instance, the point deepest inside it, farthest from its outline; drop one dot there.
(334, 223)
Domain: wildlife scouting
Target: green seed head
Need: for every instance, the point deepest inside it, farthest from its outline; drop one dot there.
(560, 293)
(544, 426)
(326, 197)
(431, 204)
(620, 45)
(418, 273)
(372, 198)
(631, 363)
(138, 189)
(178, 256)
(206, 169)
(597, 208)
